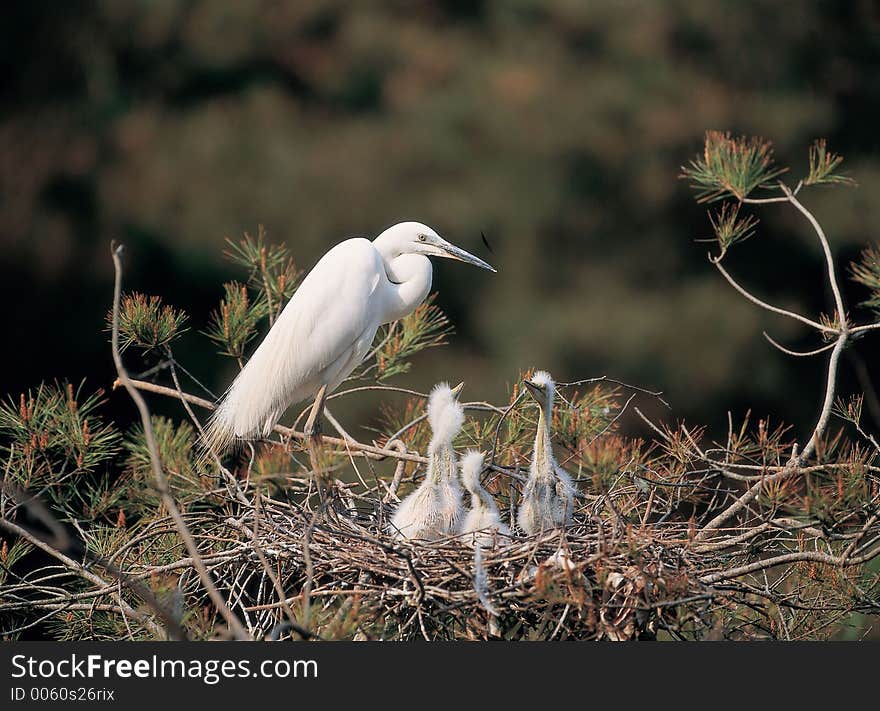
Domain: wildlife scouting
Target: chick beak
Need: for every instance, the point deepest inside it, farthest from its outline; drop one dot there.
(536, 391)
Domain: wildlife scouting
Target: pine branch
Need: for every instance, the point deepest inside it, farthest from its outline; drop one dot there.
(426, 327)
(866, 272)
(234, 623)
(823, 166)
(234, 323)
(144, 321)
(731, 167)
(729, 228)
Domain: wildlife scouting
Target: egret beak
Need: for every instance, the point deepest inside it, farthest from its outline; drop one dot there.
(536, 391)
(457, 389)
(450, 251)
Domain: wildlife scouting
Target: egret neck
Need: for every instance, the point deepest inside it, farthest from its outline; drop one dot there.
(480, 498)
(410, 277)
(543, 458)
(440, 461)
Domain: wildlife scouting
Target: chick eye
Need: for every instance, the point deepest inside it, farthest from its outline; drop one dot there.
(422, 238)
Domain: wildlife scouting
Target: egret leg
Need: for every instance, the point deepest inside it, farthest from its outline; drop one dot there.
(313, 426)
(312, 431)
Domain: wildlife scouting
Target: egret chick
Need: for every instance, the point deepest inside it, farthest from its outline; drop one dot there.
(434, 509)
(482, 522)
(548, 496)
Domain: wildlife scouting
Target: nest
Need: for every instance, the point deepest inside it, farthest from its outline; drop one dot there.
(342, 573)
(304, 565)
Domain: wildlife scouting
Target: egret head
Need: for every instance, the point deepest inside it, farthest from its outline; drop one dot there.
(541, 387)
(445, 414)
(416, 238)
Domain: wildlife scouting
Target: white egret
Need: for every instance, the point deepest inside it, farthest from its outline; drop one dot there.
(483, 521)
(326, 329)
(548, 496)
(434, 509)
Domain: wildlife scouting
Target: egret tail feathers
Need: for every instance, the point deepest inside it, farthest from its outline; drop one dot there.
(253, 404)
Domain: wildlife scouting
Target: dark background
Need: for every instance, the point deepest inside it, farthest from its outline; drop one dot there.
(558, 128)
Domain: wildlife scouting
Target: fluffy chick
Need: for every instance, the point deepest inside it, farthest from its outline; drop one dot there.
(482, 523)
(434, 509)
(548, 496)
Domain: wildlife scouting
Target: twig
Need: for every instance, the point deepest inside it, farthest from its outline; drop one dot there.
(764, 305)
(161, 482)
(807, 556)
(826, 249)
(798, 354)
(62, 543)
(80, 571)
(365, 450)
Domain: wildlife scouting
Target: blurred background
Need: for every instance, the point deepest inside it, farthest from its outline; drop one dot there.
(557, 127)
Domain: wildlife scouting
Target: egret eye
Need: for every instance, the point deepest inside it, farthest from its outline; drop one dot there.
(422, 238)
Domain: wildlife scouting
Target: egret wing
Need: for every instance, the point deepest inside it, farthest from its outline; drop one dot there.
(335, 307)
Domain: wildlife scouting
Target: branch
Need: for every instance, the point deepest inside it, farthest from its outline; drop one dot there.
(810, 556)
(161, 481)
(63, 543)
(361, 449)
(769, 307)
(767, 201)
(797, 354)
(796, 461)
(72, 565)
(843, 334)
(826, 248)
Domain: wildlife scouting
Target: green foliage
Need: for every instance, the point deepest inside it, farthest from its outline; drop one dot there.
(53, 433)
(393, 419)
(99, 497)
(272, 273)
(729, 228)
(866, 271)
(849, 409)
(103, 540)
(514, 426)
(178, 449)
(160, 549)
(735, 167)
(235, 322)
(98, 625)
(426, 327)
(271, 281)
(579, 417)
(833, 494)
(823, 164)
(731, 166)
(145, 322)
(10, 555)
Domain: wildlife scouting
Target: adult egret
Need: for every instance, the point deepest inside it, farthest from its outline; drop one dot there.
(434, 509)
(327, 327)
(483, 521)
(548, 496)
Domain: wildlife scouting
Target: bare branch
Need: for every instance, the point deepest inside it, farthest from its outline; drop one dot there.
(161, 481)
(769, 307)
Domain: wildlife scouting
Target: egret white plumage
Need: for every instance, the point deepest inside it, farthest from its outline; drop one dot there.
(434, 509)
(483, 521)
(326, 329)
(548, 496)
